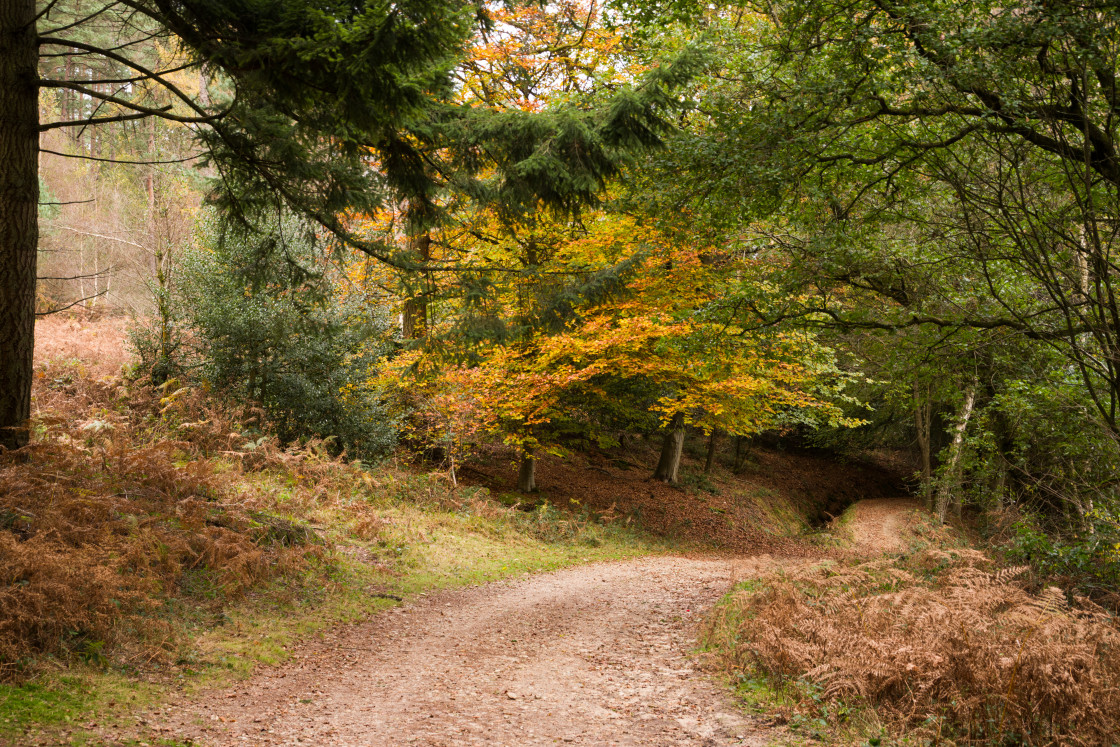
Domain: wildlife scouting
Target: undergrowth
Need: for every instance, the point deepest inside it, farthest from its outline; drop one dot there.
(107, 515)
(1087, 559)
(146, 530)
(941, 646)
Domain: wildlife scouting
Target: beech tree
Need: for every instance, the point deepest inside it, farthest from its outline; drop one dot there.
(663, 333)
(327, 109)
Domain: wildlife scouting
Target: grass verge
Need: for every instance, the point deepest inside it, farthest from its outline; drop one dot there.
(93, 703)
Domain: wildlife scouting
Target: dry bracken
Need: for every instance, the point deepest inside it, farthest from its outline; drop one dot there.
(938, 642)
(113, 511)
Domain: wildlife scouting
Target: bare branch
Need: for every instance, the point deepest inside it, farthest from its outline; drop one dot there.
(138, 78)
(94, 121)
(916, 320)
(87, 276)
(164, 112)
(80, 232)
(149, 74)
(44, 12)
(118, 160)
(48, 312)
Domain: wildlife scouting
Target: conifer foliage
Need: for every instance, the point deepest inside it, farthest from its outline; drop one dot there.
(328, 109)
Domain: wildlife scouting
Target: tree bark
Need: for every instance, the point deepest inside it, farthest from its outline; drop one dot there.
(950, 484)
(527, 474)
(711, 453)
(414, 315)
(740, 453)
(669, 464)
(923, 410)
(19, 205)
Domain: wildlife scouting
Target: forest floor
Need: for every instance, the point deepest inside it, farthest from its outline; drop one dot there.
(598, 654)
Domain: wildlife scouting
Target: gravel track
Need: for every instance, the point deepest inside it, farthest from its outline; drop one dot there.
(883, 524)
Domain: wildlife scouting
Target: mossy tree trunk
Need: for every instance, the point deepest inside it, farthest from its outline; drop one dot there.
(922, 414)
(950, 489)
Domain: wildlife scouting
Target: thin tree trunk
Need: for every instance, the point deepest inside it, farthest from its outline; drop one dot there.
(711, 453)
(669, 464)
(950, 485)
(203, 87)
(163, 368)
(82, 273)
(740, 452)
(923, 410)
(527, 474)
(19, 205)
(414, 315)
(150, 183)
(998, 488)
(93, 302)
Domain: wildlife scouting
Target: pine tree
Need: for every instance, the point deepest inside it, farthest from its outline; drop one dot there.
(327, 108)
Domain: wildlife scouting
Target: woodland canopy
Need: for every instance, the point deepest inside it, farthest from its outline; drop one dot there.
(859, 224)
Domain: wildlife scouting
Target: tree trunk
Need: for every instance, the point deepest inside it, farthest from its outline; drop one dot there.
(740, 453)
(923, 410)
(19, 205)
(711, 453)
(669, 464)
(414, 319)
(950, 485)
(414, 315)
(527, 474)
(997, 487)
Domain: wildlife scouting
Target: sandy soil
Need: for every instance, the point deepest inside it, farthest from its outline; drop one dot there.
(593, 655)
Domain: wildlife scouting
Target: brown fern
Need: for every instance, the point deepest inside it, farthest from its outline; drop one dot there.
(969, 654)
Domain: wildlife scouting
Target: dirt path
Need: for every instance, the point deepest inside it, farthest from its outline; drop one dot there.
(593, 655)
(882, 524)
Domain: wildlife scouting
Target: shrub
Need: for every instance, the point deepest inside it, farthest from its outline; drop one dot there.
(275, 323)
(1089, 559)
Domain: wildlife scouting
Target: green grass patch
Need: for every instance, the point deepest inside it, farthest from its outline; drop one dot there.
(71, 707)
(778, 516)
